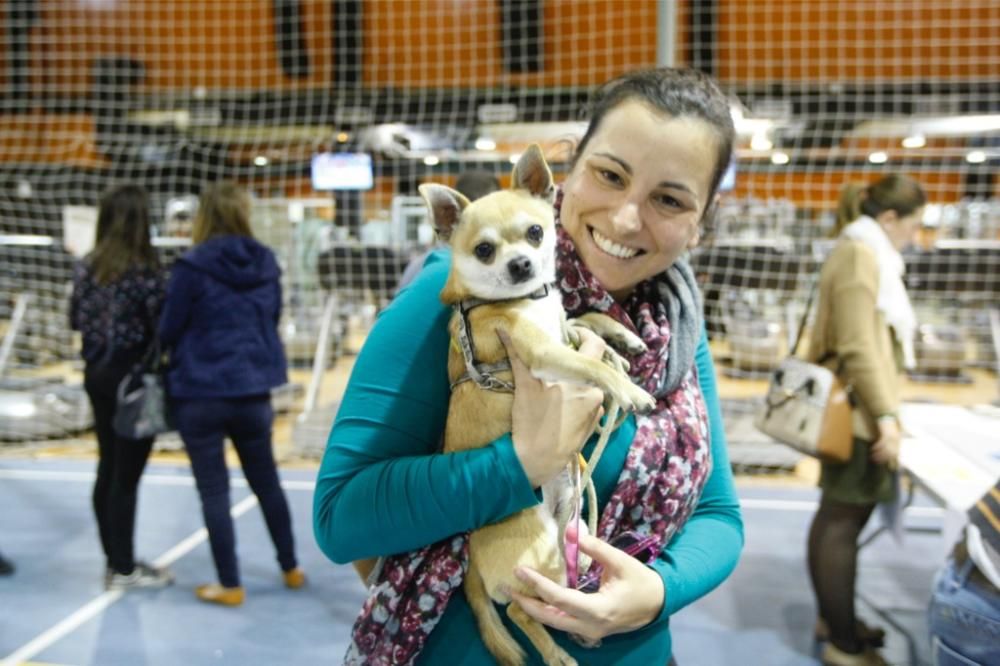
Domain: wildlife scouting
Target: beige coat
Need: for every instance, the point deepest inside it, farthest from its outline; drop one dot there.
(849, 325)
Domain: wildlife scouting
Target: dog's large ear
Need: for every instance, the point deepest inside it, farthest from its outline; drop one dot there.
(445, 205)
(532, 173)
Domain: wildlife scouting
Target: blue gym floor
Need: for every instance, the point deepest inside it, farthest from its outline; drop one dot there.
(54, 609)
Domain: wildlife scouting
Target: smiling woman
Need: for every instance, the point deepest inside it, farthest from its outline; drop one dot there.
(634, 200)
(644, 176)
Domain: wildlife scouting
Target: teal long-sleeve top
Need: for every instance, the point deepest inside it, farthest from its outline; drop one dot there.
(384, 488)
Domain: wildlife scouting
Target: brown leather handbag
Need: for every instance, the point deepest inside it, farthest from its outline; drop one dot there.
(807, 407)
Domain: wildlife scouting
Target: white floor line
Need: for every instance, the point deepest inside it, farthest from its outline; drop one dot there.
(147, 478)
(97, 606)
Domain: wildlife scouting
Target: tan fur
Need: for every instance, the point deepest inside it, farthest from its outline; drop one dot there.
(477, 417)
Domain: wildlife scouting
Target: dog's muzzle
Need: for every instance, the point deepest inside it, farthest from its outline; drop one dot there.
(520, 269)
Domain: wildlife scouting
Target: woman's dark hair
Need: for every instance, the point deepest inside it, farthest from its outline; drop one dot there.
(122, 240)
(678, 93)
(223, 210)
(894, 192)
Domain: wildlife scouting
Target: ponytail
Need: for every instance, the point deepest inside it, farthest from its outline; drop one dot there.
(849, 206)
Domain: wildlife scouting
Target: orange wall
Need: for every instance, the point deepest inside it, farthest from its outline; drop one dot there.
(226, 44)
(821, 189)
(850, 40)
(49, 138)
(450, 43)
(444, 43)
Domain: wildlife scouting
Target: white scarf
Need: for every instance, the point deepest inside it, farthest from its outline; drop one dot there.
(893, 300)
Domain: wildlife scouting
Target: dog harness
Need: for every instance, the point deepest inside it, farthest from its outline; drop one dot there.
(484, 374)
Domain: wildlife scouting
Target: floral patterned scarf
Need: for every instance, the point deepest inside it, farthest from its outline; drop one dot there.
(660, 484)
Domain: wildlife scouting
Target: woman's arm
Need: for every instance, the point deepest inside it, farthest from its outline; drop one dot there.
(382, 487)
(705, 551)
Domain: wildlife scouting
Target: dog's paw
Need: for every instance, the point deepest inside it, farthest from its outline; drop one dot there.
(628, 342)
(635, 399)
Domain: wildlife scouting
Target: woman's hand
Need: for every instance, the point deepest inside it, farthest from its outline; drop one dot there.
(886, 449)
(631, 596)
(551, 420)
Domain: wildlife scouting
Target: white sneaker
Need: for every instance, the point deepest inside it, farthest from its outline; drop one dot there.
(143, 575)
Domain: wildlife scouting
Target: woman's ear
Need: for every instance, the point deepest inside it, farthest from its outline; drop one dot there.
(706, 218)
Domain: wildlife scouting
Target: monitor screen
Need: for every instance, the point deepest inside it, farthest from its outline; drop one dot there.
(342, 171)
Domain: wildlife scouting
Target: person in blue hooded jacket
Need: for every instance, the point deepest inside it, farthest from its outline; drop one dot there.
(220, 323)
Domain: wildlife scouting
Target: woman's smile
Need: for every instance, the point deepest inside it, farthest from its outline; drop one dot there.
(611, 247)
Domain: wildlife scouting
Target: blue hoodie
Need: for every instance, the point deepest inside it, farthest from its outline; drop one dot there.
(220, 321)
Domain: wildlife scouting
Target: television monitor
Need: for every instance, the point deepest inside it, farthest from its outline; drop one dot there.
(342, 171)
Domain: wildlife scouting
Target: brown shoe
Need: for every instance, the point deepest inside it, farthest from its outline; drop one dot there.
(834, 656)
(294, 578)
(870, 636)
(214, 593)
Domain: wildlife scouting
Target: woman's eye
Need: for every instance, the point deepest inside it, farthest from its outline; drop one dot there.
(667, 201)
(610, 177)
(535, 233)
(484, 251)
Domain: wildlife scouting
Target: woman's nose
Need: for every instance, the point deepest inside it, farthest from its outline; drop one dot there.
(626, 219)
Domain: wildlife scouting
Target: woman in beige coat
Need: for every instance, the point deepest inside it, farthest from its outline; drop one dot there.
(864, 326)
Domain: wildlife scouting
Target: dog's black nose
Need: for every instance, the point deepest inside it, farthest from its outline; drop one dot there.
(520, 269)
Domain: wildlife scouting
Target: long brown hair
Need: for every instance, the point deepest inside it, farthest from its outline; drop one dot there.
(122, 240)
(223, 210)
(893, 192)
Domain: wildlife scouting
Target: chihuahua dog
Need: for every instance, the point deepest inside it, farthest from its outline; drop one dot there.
(502, 278)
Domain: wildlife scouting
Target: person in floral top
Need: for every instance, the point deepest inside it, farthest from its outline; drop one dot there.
(641, 181)
(118, 291)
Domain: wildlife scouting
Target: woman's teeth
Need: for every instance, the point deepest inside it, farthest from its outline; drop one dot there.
(611, 247)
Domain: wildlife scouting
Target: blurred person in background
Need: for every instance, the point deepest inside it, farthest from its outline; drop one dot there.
(220, 323)
(118, 292)
(864, 331)
(964, 614)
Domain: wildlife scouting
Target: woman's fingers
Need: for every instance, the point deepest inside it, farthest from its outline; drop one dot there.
(607, 555)
(591, 344)
(548, 614)
(570, 601)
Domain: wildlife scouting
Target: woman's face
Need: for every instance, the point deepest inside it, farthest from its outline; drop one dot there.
(633, 202)
(902, 231)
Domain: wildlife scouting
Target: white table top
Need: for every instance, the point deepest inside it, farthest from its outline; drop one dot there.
(952, 451)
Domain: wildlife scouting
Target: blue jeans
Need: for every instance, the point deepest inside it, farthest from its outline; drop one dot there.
(203, 425)
(964, 618)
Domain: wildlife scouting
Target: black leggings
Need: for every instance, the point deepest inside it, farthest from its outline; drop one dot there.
(833, 565)
(119, 467)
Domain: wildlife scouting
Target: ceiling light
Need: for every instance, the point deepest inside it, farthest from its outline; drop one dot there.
(484, 143)
(975, 157)
(878, 157)
(260, 161)
(760, 142)
(431, 160)
(779, 157)
(914, 141)
(342, 137)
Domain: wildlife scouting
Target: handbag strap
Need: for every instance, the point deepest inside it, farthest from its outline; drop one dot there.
(805, 317)
(822, 360)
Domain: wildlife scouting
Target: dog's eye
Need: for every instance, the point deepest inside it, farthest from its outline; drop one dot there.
(484, 251)
(535, 233)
